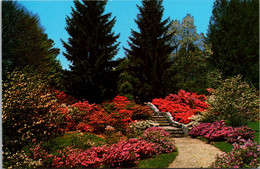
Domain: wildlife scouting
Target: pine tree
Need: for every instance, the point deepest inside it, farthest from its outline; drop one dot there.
(25, 43)
(149, 52)
(90, 49)
(234, 35)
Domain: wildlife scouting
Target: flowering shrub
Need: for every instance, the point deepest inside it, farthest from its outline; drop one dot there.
(26, 101)
(111, 136)
(81, 116)
(123, 112)
(218, 131)
(136, 128)
(182, 106)
(235, 101)
(244, 154)
(64, 98)
(128, 153)
(72, 158)
(20, 160)
(160, 137)
(192, 99)
(122, 154)
(88, 117)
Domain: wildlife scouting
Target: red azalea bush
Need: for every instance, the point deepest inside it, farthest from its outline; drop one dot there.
(88, 117)
(64, 98)
(82, 116)
(218, 131)
(123, 112)
(182, 105)
(244, 154)
(193, 100)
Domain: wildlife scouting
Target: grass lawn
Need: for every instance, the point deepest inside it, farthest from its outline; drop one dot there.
(72, 139)
(223, 146)
(255, 126)
(158, 161)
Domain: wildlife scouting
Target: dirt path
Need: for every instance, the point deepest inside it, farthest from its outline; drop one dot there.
(193, 153)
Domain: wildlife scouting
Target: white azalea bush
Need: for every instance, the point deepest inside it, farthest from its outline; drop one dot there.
(235, 101)
(136, 128)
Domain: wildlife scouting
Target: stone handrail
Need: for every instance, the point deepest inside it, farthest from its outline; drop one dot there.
(154, 108)
(175, 123)
(169, 117)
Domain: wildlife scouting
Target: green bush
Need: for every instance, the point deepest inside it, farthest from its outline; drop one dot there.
(235, 101)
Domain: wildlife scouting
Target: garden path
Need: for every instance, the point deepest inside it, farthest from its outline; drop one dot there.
(193, 153)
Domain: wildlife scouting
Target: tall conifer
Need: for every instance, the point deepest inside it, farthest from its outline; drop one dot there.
(90, 49)
(234, 35)
(149, 52)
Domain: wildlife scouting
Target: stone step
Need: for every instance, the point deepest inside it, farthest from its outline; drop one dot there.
(158, 117)
(177, 135)
(164, 124)
(173, 130)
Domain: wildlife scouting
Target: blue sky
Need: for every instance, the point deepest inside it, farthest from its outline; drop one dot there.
(52, 16)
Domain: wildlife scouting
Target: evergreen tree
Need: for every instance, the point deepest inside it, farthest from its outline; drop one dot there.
(25, 43)
(90, 49)
(234, 35)
(149, 52)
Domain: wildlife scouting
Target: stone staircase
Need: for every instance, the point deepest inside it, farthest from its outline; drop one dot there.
(173, 130)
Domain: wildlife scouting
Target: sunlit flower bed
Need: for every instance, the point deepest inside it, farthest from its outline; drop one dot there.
(182, 105)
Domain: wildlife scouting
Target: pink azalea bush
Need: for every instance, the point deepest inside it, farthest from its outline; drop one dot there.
(125, 153)
(244, 154)
(160, 137)
(218, 131)
(128, 153)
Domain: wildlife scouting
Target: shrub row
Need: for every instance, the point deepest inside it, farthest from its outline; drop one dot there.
(218, 131)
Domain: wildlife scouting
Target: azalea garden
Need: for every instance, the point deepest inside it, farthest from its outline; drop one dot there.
(46, 128)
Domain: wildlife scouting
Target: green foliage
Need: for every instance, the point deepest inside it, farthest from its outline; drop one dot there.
(26, 102)
(25, 43)
(158, 161)
(125, 81)
(234, 35)
(90, 48)
(235, 101)
(148, 56)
